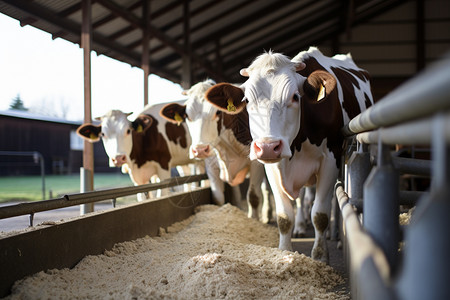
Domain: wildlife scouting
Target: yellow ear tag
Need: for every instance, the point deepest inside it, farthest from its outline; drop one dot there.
(139, 128)
(231, 106)
(178, 118)
(321, 93)
(92, 136)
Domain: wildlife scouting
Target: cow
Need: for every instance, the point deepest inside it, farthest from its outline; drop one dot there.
(296, 111)
(146, 148)
(216, 134)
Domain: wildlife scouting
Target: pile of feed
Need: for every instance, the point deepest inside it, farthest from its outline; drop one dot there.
(217, 253)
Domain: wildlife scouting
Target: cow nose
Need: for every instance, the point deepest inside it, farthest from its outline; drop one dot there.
(268, 150)
(201, 151)
(119, 160)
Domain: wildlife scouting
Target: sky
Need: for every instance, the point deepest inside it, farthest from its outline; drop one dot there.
(48, 76)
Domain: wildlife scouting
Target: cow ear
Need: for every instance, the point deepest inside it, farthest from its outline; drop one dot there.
(299, 66)
(90, 132)
(226, 97)
(174, 113)
(244, 72)
(142, 123)
(319, 85)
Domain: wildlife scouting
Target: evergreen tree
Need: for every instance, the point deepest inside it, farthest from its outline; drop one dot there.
(17, 104)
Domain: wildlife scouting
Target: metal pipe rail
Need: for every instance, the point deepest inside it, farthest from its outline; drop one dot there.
(30, 208)
(410, 133)
(418, 112)
(367, 260)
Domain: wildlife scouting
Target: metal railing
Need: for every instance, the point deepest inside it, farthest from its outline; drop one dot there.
(37, 157)
(30, 208)
(417, 113)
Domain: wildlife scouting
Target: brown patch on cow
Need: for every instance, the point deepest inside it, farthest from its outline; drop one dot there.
(322, 119)
(253, 199)
(176, 134)
(238, 124)
(361, 74)
(284, 224)
(350, 102)
(321, 222)
(150, 145)
(368, 102)
(311, 65)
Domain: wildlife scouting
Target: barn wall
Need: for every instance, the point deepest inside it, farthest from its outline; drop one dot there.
(51, 139)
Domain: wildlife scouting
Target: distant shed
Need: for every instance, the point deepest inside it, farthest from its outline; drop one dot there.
(54, 138)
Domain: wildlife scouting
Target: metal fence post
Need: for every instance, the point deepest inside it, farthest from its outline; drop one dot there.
(381, 205)
(427, 262)
(86, 185)
(358, 170)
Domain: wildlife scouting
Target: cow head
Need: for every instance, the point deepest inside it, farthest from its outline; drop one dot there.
(200, 117)
(116, 132)
(272, 95)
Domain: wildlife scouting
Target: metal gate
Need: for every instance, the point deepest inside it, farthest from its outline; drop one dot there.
(417, 113)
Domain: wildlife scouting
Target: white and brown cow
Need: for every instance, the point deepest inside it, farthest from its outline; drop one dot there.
(296, 111)
(225, 138)
(149, 146)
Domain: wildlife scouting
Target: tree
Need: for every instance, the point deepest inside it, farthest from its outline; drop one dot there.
(17, 104)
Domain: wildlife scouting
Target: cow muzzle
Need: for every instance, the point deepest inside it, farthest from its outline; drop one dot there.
(119, 160)
(267, 151)
(201, 151)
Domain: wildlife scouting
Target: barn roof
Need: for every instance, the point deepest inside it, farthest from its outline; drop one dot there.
(31, 116)
(221, 36)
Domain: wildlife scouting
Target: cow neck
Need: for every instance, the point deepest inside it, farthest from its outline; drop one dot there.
(233, 147)
(238, 124)
(177, 134)
(150, 145)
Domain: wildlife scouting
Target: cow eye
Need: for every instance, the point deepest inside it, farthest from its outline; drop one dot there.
(128, 131)
(245, 99)
(102, 134)
(296, 98)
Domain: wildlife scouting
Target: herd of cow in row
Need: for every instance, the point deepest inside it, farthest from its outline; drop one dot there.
(283, 123)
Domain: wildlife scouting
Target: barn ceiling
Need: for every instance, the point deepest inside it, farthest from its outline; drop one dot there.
(211, 38)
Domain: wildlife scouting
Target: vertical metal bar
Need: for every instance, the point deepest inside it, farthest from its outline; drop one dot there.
(86, 41)
(31, 219)
(358, 170)
(426, 265)
(38, 156)
(86, 185)
(381, 205)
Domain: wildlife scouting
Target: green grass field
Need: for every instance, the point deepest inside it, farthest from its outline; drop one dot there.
(29, 188)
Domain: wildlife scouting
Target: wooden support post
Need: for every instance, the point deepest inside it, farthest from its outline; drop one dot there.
(88, 152)
(145, 47)
(420, 35)
(186, 77)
